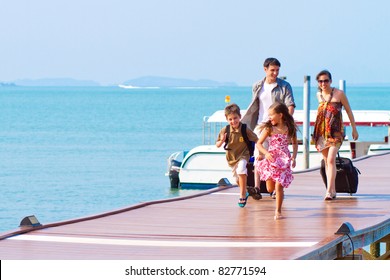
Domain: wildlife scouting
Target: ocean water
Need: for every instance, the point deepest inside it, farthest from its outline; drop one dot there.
(68, 152)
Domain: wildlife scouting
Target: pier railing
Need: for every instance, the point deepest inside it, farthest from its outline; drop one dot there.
(349, 244)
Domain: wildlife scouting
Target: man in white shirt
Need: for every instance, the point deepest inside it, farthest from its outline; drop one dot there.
(265, 92)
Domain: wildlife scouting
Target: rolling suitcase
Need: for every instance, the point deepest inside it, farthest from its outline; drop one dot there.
(347, 175)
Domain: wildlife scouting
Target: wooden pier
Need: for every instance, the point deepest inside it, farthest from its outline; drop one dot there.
(211, 226)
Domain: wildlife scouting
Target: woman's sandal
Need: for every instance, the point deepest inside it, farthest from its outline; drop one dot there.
(329, 196)
(242, 201)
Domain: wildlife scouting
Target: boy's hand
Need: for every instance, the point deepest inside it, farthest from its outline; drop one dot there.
(220, 142)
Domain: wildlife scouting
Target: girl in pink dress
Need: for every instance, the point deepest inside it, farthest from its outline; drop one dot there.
(275, 168)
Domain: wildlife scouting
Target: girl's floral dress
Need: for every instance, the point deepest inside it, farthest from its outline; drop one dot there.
(278, 170)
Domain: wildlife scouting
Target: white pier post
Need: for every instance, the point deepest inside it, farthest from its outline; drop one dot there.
(306, 122)
(353, 145)
(342, 85)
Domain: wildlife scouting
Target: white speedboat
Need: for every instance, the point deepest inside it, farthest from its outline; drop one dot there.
(205, 166)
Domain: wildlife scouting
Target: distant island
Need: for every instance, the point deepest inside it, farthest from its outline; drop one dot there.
(55, 82)
(143, 82)
(146, 81)
(7, 84)
(155, 81)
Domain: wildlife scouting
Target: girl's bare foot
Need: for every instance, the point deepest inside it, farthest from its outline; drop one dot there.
(278, 216)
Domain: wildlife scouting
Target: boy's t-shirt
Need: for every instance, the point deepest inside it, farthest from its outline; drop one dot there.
(236, 145)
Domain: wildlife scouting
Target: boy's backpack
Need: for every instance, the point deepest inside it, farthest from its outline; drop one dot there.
(250, 144)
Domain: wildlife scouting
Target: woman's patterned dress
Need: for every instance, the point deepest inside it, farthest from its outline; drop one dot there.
(328, 128)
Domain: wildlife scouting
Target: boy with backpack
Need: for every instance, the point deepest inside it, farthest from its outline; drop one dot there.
(237, 146)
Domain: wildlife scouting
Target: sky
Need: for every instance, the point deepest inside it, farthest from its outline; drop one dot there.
(111, 41)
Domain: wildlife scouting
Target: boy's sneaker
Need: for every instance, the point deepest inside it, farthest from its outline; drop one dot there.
(254, 192)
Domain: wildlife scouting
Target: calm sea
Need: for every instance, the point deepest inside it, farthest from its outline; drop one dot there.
(68, 152)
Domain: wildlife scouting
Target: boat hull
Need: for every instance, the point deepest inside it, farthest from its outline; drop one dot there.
(206, 167)
(203, 167)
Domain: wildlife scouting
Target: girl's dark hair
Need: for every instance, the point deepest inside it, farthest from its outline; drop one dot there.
(281, 108)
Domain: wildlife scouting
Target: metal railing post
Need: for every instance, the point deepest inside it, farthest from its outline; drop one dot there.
(306, 122)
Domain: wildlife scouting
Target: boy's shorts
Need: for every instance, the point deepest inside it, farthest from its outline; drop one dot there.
(239, 168)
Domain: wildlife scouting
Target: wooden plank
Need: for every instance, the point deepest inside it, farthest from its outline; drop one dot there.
(212, 226)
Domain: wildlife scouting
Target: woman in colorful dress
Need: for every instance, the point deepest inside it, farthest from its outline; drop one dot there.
(328, 132)
(275, 168)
